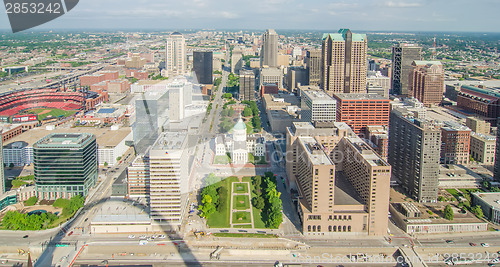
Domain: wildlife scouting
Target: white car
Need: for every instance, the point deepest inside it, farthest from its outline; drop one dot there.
(497, 260)
(161, 236)
(143, 237)
(131, 236)
(485, 245)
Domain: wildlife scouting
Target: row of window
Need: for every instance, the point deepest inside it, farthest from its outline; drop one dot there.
(334, 228)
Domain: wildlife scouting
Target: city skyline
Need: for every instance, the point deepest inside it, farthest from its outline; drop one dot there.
(359, 15)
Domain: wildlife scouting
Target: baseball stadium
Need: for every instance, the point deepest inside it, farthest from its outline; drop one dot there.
(42, 104)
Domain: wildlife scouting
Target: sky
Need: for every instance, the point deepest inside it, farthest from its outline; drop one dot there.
(368, 15)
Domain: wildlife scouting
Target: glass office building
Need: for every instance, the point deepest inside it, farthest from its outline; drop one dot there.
(65, 165)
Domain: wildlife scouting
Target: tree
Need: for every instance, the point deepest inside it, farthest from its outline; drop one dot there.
(227, 96)
(476, 210)
(208, 206)
(495, 189)
(231, 111)
(211, 179)
(247, 112)
(256, 123)
(257, 181)
(222, 192)
(224, 113)
(258, 202)
(105, 164)
(486, 184)
(31, 201)
(441, 198)
(11, 165)
(448, 213)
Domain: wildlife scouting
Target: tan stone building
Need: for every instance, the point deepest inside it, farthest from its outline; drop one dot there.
(343, 62)
(482, 148)
(426, 82)
(477, 125)
(343, 184)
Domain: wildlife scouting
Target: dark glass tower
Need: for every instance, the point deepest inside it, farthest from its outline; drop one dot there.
(65, 165)
(203, 66)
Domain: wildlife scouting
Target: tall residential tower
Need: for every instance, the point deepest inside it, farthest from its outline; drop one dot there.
(175, 54)
(269, 51)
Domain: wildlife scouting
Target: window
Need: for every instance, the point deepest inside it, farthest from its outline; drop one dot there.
(329, 228)
(314, 228)
(309, 228)
(335, 228)
(319, 228)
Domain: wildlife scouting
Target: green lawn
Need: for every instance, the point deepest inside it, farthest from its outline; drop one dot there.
(260, 160)
(221, 219)
(243, 226)
(257, 219)
(241, 217)
(245, 235)
(221, 160)
(249, 127)
(241, 202)
(240, 188)
(454, 192)
(53, 112)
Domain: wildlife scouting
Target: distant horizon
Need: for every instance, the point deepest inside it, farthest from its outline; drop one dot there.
(139, 29)
(392, 15)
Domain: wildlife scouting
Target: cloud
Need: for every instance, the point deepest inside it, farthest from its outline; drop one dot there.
(401, 4)
(229, 15)
(342, 5)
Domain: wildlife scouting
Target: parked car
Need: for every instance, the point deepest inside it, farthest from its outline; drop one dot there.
(131, 236)
(485, 245)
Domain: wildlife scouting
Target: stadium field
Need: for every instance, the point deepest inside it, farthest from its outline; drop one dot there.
(46, 112)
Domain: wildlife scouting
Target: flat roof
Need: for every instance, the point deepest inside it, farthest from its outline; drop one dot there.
(170, 141)
(344, 192)
(491, 198)
(366, 151)
(105, 136)
(64, 140)
(315, 152)
(343, 96)
(317, 96)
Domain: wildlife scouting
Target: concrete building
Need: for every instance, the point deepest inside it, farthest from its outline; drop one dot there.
(271, 76)
(411, 106)
(65, 165)
(361, 110)
(169, 174)
(281, 110)
(176, 103)
(175, 51)
(477, 125)
(378, 139)
(426, 82)
(482, 148)
(414, 152)
(403, 56)
(455, 143)
(343, 62)
(316, 105)
(378, 84)
(236, 60)
(269, 49)
(138, 178)
(17, 153)
(451, 91)
(247, 86)
(335, 195)
(489, 203)
(313, 66)
(496, 170)
(295, 77)
(203, 66)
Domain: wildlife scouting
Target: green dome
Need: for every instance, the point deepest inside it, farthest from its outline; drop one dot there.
(240, 125)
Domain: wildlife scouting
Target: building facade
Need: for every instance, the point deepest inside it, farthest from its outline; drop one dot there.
(271, 76)
(489, 205)
(414, 153)
(2, 175)
(175, 51)
(203, 66)
(426, 82)
(316, 105)
(483, 148)
(361, 110)
(65, 165)
(402, 57)
(484, 102)
(496, 170)
(269, 50)
(313, 67)
(455, 143)
(343, 62)
(477, 125)
(247, 86)
(138, 178)
(168, 171)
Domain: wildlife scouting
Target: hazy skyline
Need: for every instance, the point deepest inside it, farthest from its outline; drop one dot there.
(394, 15)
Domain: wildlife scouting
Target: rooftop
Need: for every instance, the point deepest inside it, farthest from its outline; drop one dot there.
(317, 96)
(65, 140)
(492, 198)
(170, 141)
(343, 96)
(315, 152)
(340, 36)
(105, 136)
(366, 152)
(483, 136)
(454, 126)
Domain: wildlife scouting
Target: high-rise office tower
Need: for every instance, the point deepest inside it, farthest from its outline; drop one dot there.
(168, 180)
(402, 57)
(343, 62)
(313, 65)
(426, 82)
(203, 66)
(175, 54)
(65, 165)
(150, 114)
(414, 153)
(2, 176)
(247, 85)
(269, 50)
(496, 171)
(138, 177)
(176, 104)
